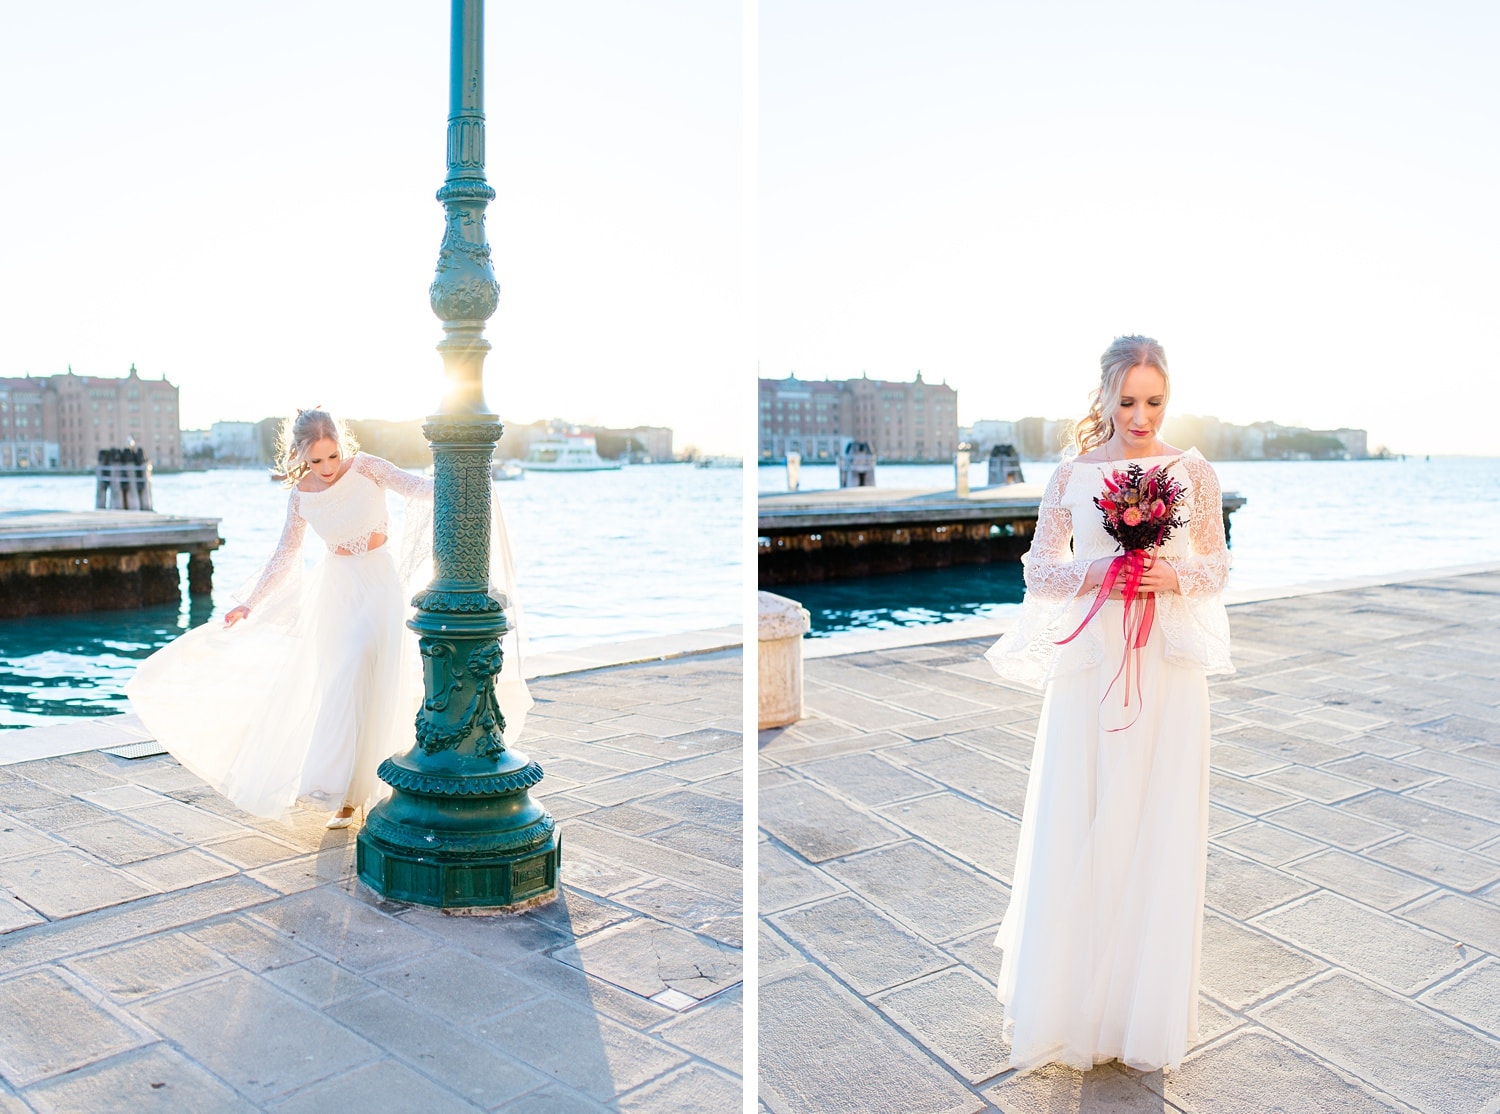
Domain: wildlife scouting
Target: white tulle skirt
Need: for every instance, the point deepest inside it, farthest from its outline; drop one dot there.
(1102, 933)
(299, 702)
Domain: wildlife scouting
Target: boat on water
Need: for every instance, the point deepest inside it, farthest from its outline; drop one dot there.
(720, 462)
(567, 454)
(507, 470)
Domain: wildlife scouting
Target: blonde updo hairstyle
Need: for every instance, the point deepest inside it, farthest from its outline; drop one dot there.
(300, 433)
(1124, 353)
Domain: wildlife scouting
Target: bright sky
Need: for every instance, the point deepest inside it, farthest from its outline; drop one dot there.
(1300, 199)
(240, 197)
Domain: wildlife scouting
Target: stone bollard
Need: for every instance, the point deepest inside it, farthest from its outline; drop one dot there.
(961, 473)
(783, 622)
(793, 470)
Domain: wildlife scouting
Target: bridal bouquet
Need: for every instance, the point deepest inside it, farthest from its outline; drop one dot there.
(1140, 508)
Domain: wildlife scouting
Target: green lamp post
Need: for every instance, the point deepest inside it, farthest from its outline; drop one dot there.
(460, 829)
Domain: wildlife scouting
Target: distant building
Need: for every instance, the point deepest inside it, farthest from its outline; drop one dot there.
(1251, 441)
(642, 443)
(1356, 442)
(197, 445)
(1056, 433)
(985, 435)
(1043, 438)
(62, 421)
(28, 426)
(803, 417)
(915, 421)
(1217, 440)
(235, 442)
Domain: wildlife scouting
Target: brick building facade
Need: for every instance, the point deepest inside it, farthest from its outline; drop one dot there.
(914, 421)
(62, 421)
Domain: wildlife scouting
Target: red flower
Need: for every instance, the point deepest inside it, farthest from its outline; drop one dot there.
(1132, 516)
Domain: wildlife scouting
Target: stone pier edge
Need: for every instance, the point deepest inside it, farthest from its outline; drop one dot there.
(863, 642)
(86, 733)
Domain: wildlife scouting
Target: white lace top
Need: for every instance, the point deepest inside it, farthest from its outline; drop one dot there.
(344, 515)
(1070, 536)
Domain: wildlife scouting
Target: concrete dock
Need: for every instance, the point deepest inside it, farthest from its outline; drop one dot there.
(160, 950)
(809, 536)
(1351, 956)
(66, 562)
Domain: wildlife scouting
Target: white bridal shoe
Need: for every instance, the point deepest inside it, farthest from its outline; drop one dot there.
(337, 821)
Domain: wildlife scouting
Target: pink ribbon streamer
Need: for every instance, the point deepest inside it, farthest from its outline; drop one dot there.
(1135, 622)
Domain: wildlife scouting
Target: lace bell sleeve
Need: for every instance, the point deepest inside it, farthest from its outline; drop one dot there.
(1051, 572)
(1028, 652)
(288, 555)
(1206, 570)
(406, 484)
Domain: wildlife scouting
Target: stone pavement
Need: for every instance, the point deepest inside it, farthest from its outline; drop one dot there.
(1353, 922)
(160, 950)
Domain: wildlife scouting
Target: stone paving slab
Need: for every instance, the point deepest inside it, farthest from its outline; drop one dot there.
(1351, 948)
(160, 950)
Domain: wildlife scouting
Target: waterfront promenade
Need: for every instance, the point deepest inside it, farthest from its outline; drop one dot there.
(1351, 953)
(160, 950)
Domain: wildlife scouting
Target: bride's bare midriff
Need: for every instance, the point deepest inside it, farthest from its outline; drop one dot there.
(376, 541)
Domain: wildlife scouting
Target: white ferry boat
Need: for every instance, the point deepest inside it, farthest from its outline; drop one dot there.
(567, 454)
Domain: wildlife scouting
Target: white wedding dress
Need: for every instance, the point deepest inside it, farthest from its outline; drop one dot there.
(1101, 936)
(303, 700)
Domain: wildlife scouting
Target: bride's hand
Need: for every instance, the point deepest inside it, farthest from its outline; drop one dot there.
(1159, 576)
(235, 615)
(1094, 576)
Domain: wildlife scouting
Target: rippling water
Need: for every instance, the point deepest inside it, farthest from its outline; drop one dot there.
(1304, 521)
(600, 556)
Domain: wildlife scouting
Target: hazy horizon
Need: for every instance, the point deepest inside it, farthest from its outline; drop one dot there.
(242, 198)
(1297, 200)
(966, 420)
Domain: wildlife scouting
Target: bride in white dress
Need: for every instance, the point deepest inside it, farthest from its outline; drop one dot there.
(313, 680)
(1102, 933)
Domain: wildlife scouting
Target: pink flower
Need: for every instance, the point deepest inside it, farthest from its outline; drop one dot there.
(1132, 516)
(1158, 510)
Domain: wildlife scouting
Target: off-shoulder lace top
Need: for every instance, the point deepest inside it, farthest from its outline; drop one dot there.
(1070, 536)
(345, 515)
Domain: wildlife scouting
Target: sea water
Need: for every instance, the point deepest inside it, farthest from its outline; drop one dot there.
(1303, 521)
(600, 557)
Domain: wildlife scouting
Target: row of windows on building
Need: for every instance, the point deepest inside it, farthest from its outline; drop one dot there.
(62, 421)
(914, 421)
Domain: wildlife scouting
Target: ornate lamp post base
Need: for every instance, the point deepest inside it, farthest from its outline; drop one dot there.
(461, 843)
(460, 829)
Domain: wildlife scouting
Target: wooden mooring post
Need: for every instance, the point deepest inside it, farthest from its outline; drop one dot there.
(123, 480)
